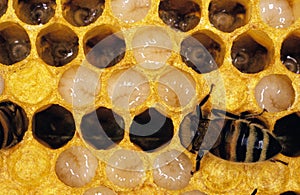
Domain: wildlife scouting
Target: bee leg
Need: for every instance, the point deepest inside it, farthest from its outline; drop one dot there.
(205, 99)
(280, 161)
(254, 192)
(198, 159)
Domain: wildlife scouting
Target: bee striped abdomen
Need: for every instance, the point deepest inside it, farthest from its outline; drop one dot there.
(243, 141)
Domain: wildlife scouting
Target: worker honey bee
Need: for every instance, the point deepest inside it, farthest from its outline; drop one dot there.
(237, 138)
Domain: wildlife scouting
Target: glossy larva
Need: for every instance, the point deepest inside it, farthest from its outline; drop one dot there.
(193, 192)
(128, 88)
(172, 170)
(76, 166)
(275, 93)
(276, 13)
(100, 190)
(125, 169)
(151, 47)
(180, 83)
(79, 86)
(130, 11)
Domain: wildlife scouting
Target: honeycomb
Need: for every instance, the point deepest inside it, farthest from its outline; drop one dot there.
(45, 47)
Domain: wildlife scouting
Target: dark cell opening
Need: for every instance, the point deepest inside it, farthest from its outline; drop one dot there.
(289, 193)
(287, 130)
(102, 128)
(82, 13)
(227, 15)
(53, 126)
(290, 53)
(35, 11)
(13, 124)
(202, 53)
(3, 7)
(248, 56)
(57, 45)
(14, 43)
(151, 130)
(179, 14)
(104, 48)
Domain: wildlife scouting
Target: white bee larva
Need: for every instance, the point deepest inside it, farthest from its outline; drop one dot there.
(101, 190)
(275, 93)
(193, 192)
(1, 84)
(125, 169)
(76, 166)
(179, 83)
(276, 13)
(152, 47)
(172, 170)
(79, 86)
(130, 11)
(128, 88)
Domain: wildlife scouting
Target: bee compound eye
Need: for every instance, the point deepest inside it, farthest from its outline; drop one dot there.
(14, 124)
(151, 130)
(102, 128)
(53, 126)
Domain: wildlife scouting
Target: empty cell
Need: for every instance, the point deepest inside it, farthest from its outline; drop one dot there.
(275, 93)
(248, 55)
(151, 130)
(102, 128)
(57, 45)
(227, 15)
(287, 129)
(14, 43)
(202, 52)
(104, 46)
(152, 47)
(180, 14)
(290, 53)
(35, 12)
(82, 13)
(53, 126)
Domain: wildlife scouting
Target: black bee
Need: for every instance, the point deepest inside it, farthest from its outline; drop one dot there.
(237, 138)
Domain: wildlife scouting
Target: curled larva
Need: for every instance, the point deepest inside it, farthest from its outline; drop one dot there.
(193, 192)
(128, 88)
(100, 190)
(130, 11)
(151, 47)
(276, 13)
(125, 169)
(275, 93)
(76, 166)
(79, 86)
(181, 83)
(172, 170)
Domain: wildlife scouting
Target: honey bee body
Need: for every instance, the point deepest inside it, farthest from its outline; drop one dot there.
(237, 138)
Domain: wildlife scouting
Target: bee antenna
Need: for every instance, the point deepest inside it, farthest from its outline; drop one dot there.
(207, 96)
(254, 192)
